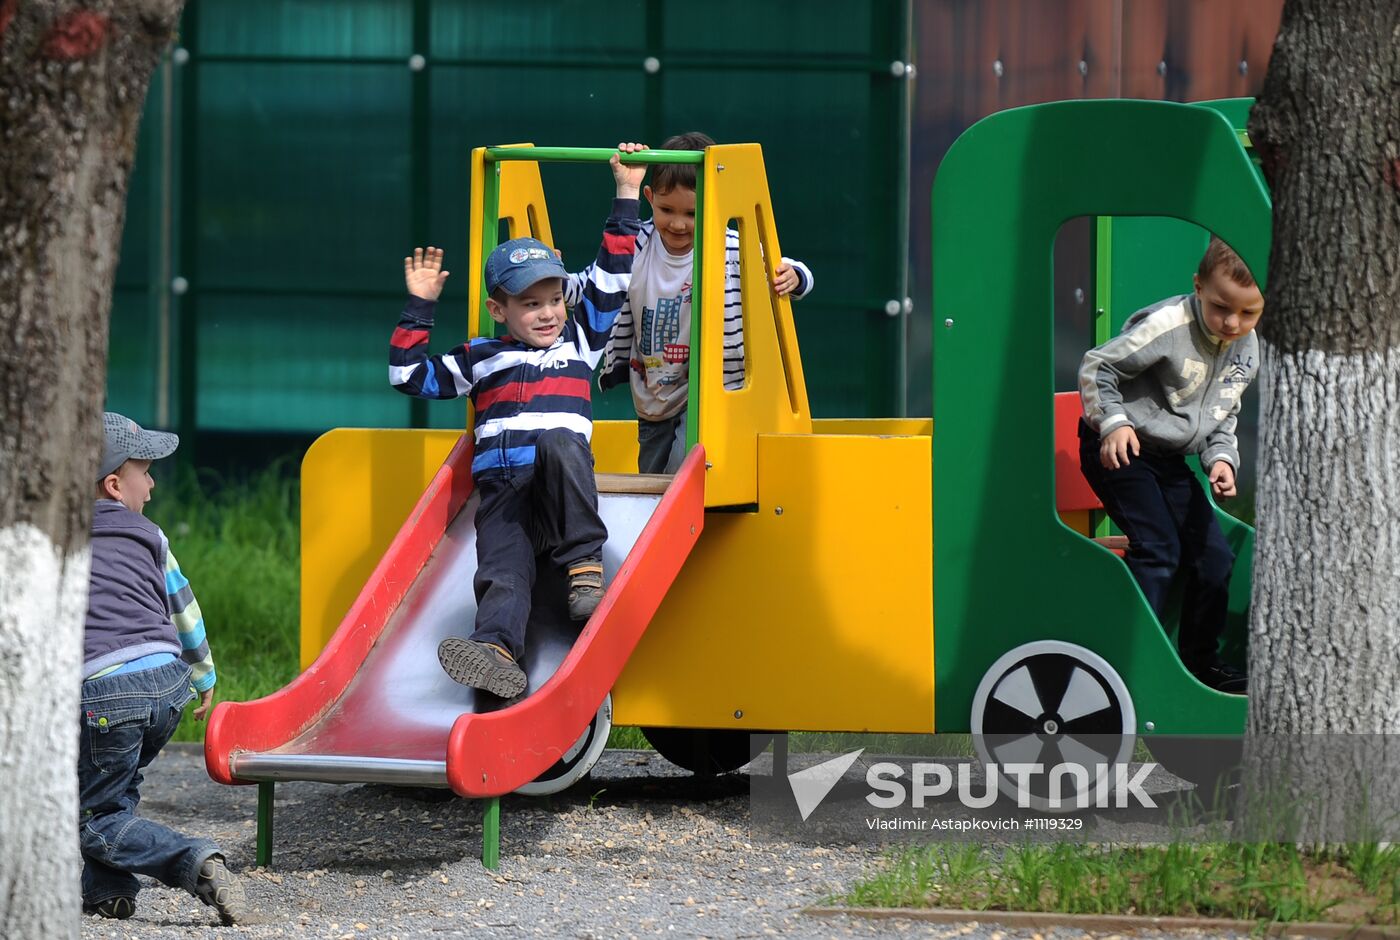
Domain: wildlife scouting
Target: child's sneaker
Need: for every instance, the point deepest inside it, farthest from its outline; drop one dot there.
(585, 588)
(481, 666)
(118, 908)
(1223, 677)
(217, 887)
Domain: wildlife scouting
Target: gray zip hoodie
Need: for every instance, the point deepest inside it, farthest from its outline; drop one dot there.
(1169, 379)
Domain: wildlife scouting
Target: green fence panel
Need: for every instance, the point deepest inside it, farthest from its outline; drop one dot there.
(314, 143)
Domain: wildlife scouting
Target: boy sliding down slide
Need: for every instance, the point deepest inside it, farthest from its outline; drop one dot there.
(530, 391)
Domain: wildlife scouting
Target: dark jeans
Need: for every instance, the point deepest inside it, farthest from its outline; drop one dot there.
(661, 444)
(124, 722)
(551, 511)
(1160, 506)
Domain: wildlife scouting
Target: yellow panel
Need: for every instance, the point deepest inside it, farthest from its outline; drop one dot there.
(814, 613)
(521, 205)
(774, 397)
(615, 446)
(901, 427)
(357, 488)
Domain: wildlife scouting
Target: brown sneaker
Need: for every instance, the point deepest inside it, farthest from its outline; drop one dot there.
(585, 588)
(217, 887)
(481, 666)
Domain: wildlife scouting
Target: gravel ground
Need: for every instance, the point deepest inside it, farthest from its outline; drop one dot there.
(640, 849)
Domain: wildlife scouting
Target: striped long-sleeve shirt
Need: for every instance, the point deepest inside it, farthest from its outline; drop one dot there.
(519, 391)
(189, 625)
(619, 355)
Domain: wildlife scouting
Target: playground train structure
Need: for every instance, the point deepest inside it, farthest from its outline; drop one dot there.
(897, 575)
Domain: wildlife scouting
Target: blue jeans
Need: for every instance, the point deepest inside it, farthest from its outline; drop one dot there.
(661, 444)
(1172, 532)
(124, 721)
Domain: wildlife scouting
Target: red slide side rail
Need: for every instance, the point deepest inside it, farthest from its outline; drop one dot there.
(494, 753)
(269, 722)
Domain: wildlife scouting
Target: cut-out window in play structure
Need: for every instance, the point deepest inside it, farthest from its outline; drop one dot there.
(1106, 269)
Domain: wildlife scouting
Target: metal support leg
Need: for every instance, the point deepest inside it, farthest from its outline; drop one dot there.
(265, 795)
(491, 834)
(780, 755)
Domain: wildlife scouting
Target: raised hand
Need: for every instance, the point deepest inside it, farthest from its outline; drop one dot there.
(423, 273)
(628, 176)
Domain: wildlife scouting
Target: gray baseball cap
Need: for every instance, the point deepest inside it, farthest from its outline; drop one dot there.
(124, 439)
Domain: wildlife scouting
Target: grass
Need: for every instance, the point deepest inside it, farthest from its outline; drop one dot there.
(238, 543)
(1354, 884)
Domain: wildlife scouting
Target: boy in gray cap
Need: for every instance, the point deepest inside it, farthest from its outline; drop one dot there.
(144, 658)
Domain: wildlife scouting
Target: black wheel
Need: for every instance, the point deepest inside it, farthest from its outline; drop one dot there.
(706, 751)
(1053, 703)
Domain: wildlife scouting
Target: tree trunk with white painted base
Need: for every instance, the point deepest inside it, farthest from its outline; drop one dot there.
(73, 81)
(1325, 623)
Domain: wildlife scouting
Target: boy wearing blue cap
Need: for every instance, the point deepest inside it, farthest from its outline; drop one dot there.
(145, 657)
(534, 419)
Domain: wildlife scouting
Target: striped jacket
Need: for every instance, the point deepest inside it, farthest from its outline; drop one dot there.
(519, 391)
(139, 602)
(619, 352)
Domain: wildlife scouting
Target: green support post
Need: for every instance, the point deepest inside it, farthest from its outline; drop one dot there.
(265, 796)
(490, 237)
(491, 834)
(1103, 315)
(697, 252)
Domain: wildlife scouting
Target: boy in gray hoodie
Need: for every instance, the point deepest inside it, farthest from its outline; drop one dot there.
(144, 658)
(1170, 385)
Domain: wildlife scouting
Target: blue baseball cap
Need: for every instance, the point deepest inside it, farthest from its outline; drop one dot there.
(520, 262)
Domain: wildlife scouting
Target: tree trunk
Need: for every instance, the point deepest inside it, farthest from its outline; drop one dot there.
(73, 79)
(1325, 624)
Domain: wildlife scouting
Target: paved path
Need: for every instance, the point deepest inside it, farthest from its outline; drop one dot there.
(640, 850)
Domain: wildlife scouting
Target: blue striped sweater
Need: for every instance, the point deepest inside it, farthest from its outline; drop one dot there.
(519, 391)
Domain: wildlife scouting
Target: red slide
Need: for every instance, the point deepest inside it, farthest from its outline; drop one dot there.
(377, 707)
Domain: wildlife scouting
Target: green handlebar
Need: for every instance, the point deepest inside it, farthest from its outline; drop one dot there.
(590, 155)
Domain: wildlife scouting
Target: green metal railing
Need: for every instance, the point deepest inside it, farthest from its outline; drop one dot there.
(590, 155)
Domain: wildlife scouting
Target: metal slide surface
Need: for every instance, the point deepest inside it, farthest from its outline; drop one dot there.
(393, 722)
